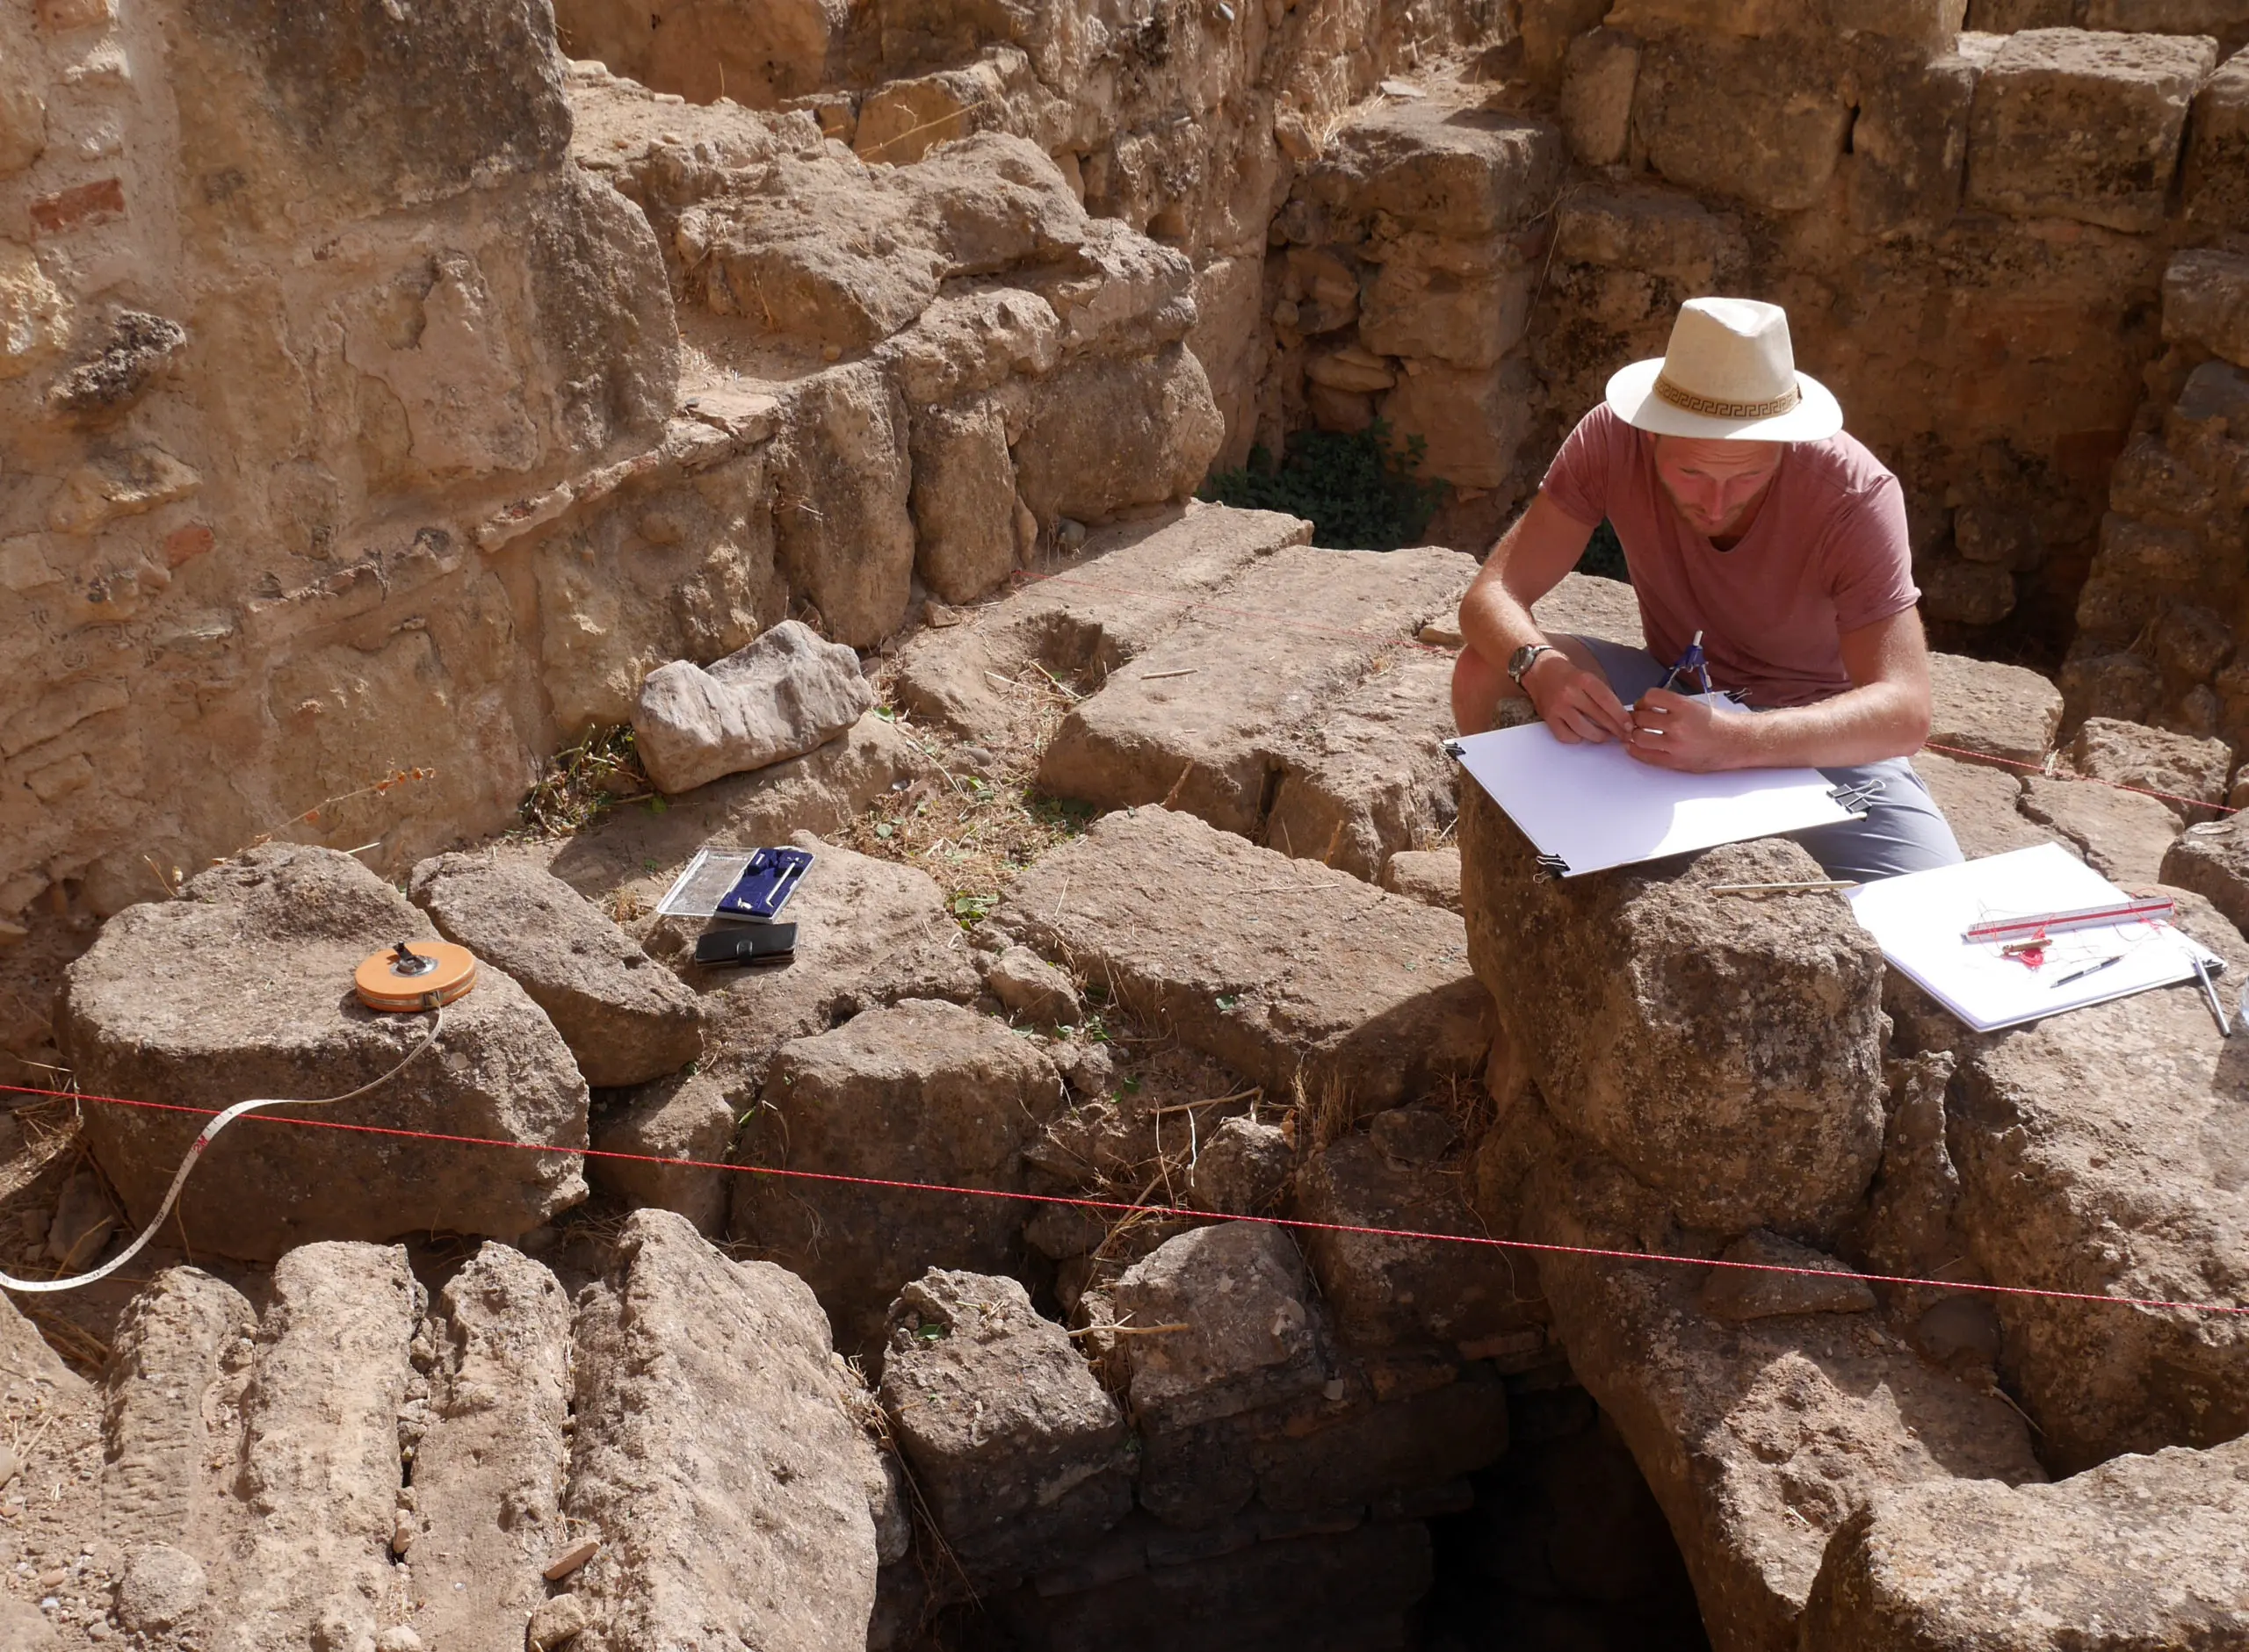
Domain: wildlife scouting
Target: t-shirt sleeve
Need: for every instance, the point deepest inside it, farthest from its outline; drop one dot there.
(1871, 559)
(1577, 482)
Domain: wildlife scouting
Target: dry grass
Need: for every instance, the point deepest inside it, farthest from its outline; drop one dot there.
(583, 781)
(979, 817)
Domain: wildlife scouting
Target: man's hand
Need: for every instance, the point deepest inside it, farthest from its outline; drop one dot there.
(1574, 703)
(1671, 731)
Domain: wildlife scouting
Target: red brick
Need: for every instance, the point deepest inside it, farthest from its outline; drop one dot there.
(77, 209)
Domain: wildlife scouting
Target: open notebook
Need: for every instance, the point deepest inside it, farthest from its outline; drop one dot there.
(1919, 920)
(1589, 808)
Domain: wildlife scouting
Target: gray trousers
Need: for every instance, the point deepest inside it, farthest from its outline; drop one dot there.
(1904, 830)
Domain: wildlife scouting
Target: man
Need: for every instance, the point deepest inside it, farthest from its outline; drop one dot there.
(1748, 516)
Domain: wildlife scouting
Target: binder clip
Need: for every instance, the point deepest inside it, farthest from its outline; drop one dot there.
(765, 885)
(1550, 868)
(1856, 798)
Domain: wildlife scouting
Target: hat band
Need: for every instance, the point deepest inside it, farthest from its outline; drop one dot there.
(1712, 409)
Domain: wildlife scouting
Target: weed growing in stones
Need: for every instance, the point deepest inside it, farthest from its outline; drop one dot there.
(1361, 492)
(601, 771)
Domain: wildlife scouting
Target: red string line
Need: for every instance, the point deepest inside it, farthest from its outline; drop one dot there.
(1120, 1207)
(1287, 622)
(2112, 785)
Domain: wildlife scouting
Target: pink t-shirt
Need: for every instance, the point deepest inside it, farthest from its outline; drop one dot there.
(1829, 553)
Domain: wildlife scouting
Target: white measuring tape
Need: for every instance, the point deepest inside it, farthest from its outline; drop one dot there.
(437, 1015)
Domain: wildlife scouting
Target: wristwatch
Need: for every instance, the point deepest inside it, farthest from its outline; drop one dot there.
(1525, 657)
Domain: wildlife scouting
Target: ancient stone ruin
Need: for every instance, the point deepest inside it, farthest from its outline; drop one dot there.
(1194, 1181)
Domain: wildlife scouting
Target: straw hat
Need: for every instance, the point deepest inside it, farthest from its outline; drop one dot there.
(1730, 374)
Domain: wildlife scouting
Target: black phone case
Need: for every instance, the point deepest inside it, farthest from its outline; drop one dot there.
(747, 943)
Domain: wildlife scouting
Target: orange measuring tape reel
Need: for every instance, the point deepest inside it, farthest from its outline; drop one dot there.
(415, 975)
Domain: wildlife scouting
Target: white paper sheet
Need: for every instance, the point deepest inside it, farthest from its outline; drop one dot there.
(1919, 920)
(1594, 807)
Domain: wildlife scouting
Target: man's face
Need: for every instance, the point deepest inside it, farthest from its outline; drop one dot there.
(1713, 484)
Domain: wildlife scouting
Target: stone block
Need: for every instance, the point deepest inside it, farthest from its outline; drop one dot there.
(1597, 78)
(1134, 583)
(1019, 1452)
(2206, 303)
(626, 1019)
(1027, 985)
(1458, 173)
(1549, 26)
(1909, 144)
(968, 342)
(2069, 124)
(1384, 1293)
(1727, 1053)
(1103, 436)
(843, 448)
(1759, 1438)
(320, 1442)
(964, 499)
(1398, 1426)
(1217, 940)
(1979, 804)
(1369, 777)
(23, 111)
(923, 1091)
(720, 1451)
(2118, 685)
(2212, 860)
(1963, 592)
(1657, 231)
(2217, 182)
(1472, 420)
(260, 952)
(1816, 1283)
(34, 315)
(172, 1348)
(1205, 719)
(2226, 19)
(1991, 710)
(684, 1117)
(1240, 1288)
(488, 1470)
(1758, 121)
(2153, 760)
(1431, 314)
(1431, 876)
(2147, 1548)
(1244, 1168)
(2082, 1143)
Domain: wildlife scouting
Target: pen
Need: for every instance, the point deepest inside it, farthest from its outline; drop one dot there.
(2091, 969)
(2209, 990)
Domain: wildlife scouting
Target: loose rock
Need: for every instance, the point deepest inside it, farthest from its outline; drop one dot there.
(1431, 876)
(782, 697)
(1029, 985)
(626, 1017)
(160, 1589)
(1243, 1168)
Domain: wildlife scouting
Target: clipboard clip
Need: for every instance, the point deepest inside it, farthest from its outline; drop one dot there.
(1453, 749)
(1550, 868)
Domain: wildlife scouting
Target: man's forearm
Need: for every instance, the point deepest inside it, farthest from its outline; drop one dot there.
(1861, 725)
(1494, 623)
